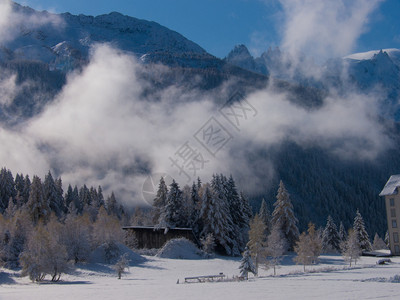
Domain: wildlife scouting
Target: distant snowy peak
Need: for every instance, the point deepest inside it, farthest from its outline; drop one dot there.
(392, 52)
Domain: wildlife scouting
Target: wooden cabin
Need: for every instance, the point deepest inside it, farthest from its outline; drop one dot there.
(150, 237)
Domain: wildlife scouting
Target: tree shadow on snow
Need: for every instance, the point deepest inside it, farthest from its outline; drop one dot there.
(5, 278)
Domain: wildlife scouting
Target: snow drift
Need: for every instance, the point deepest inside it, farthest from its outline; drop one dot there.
(180, 249)
(109, 254)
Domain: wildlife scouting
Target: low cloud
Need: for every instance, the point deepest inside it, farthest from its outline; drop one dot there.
(101, 130)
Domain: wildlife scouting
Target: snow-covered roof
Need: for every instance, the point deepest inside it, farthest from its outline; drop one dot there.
(391, 186)
(154, 228)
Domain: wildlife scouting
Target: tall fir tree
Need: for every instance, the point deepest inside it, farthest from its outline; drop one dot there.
(174, 206)
(112, 205)
(284, 217)
(265, 216)
(160, 200)
(195, 221)
(342, 233)
(7, 188)
(27, 189)
(52, 195)
(214, 215)
(330, 237)
(361, 233)
(38, 205)
(247, 265)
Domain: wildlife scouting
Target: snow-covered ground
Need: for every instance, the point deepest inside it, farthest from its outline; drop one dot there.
(157, 279)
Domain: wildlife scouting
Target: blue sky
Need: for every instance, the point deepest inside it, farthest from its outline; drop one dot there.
(219, 25)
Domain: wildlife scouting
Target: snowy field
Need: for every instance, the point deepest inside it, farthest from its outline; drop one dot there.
(157, 279)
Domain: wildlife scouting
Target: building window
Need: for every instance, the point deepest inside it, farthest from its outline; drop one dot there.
(395, 237)
(391, 201)
(394, 224)
(393, 213)
(396, 249)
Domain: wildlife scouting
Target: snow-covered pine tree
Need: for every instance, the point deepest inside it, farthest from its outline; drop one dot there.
(52, 195)
(215, 214)
(257, 240)
(84, 196)
(19, 183)
(37, 205)
(174, 206)
(378, 243)
(160, 200)
(239, 215)
(27, 189)
(284, 217)
(195, 221)
(100, 197)
(112, 205)
(330, 237)
(361, 232)
(68, 198)
(265, 216)
(247, 211)
(342, 233)
(246, 265)
(7, 188)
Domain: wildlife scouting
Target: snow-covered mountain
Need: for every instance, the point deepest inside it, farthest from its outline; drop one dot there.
(65, 42)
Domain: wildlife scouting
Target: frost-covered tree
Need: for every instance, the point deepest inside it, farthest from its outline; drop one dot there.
(112, 205)
(361, 232)
(7, 188)
(38, 206)
(330, 237)
(44, 254)
(76, 237)
(315, 242)
(246, 265)
(284, 217)
(208, 244)
(53, 194)
(160, 200)
(215, 214)
(172, 213)
(276, 247)
(195, 221)
(121, 265)
(257, 240)
(238, 212)
(265, 216)
(342, 233)
(303, 251)
(378, 243)
(351, 250)
(106, 229)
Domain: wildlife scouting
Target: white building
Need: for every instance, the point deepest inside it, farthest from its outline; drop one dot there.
(392, 201)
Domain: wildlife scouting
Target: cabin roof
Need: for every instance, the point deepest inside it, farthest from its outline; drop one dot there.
(155, 228)
(391, 186)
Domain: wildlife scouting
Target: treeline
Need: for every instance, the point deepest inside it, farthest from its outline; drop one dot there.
(44, 231)
(214, 209)
(41, 198)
